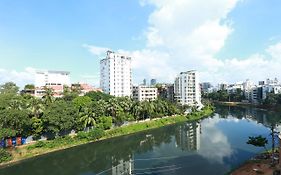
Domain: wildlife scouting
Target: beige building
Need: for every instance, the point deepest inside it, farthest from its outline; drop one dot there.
(142, 93)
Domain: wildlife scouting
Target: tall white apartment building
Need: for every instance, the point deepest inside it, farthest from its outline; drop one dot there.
(141, 93)
(116, 75)
(187, 88)
(49, 78)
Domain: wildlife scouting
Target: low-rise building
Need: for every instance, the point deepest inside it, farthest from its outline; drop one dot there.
(141, 93)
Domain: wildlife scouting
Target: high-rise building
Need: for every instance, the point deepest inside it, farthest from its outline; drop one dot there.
(152, 82)
(116, 74)
(144, 82)
(187, 88)
(47, 78)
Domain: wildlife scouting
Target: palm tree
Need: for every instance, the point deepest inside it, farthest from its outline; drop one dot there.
(48, 97)
(87, 117)
(35, 107)
(112, 107)
(147, 109)
(136, 110)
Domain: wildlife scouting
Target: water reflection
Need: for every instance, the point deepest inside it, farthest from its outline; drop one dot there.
(188, 136)
(211, 146)
(216, 145)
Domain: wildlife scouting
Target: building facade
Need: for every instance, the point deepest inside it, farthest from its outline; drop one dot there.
(187, 88)
(166, 91)
(116, 75)
(141, 93)
(47, 78)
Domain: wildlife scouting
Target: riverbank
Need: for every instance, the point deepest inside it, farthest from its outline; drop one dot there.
(260, 164)
(244, 104)
(44, 147)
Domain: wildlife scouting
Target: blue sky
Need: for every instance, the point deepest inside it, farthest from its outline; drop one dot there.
(52, 35)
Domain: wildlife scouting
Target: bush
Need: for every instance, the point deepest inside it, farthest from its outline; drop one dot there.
(82, 135)
(104, 122)
(39, 144)
(95, 134)
(4, 155)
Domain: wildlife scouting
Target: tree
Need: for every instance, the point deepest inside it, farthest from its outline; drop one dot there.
(48, 96)
(14, 121)
(258, 141)
(96, 96)
(87, 117)
(271, 99)
(69, 94)
(29, 87)
(9, 88)
(81, 101)
(59, 116)
(36, 109)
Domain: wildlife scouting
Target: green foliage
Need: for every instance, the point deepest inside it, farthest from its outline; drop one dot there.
(92, 135)
(4, 155)
(29, 87)
(258, 141)
(223, 95)
(14, 121)
(40, 144)
(9, 88)
(59, 116)
(96, 96)
(7, 132)
(104, 122)
(272, 99)
(81, 101)
(69, 94)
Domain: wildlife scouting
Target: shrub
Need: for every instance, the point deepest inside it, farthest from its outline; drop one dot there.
(95, 133)
(4, 155)
(39, 144)
(82, 135)
(104, 122)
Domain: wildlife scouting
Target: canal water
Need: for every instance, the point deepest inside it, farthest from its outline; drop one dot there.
(212, 146)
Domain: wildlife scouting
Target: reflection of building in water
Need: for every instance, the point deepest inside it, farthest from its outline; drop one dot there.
(123, 167)
(188, 136)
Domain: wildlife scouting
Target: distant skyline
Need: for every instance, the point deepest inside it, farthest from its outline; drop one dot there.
(225, 40)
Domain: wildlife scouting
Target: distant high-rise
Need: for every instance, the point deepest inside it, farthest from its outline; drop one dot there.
(187, 88)
(116, 74)
(152, 82)
(144, 82)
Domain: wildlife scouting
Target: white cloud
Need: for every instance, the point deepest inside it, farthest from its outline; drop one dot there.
(218, 141)
(21, 78)
(187, 34)
(95, 50)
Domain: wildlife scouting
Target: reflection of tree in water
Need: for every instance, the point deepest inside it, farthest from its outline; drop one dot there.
(267, 118)
(97, 157)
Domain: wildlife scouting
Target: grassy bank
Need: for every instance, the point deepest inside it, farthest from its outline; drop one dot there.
(43, 147)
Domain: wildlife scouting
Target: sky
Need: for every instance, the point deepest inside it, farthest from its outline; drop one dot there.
(225, 40)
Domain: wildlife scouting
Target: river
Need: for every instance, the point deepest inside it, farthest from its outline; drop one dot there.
(212, 146)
